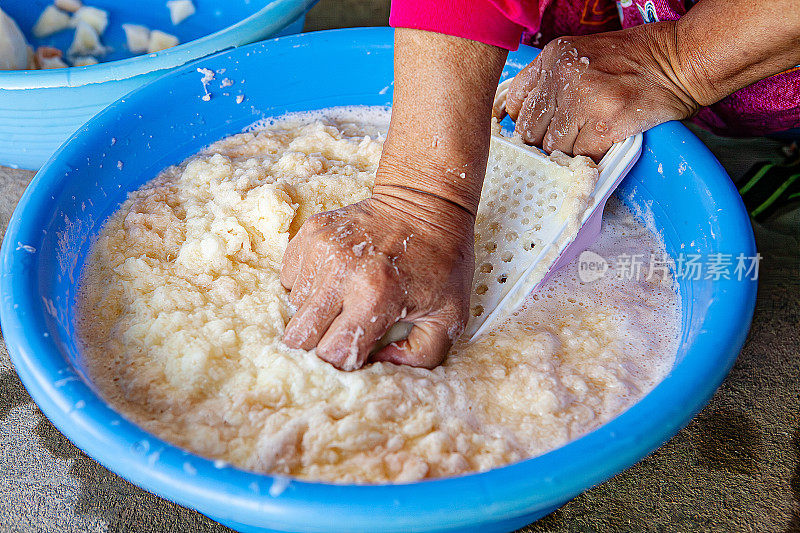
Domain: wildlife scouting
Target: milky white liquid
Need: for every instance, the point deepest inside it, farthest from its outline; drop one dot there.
(182, 312)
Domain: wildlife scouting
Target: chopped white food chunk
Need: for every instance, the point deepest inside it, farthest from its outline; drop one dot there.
(84, 61)
(13, 46)
(138, 37)
(160, 41)
(86, 42)
(52, 20)
(52, 62)
(94, 17)
(48, 57)
(180, 10)
(69, 5)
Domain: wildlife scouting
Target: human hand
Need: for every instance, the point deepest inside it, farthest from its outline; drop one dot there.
(582, 94)
(354, 272)
(407, 252)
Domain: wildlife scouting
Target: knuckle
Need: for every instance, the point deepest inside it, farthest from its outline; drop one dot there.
(531, 101)
(517, 88)
(320, 222)
(379, 287)
(551, 49)
(330, 253)
(525, 132)
(609, 129)
(615, 99)
(592, 146)
(314, 223)
(551, 138)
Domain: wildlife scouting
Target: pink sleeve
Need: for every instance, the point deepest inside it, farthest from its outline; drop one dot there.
(496, 22)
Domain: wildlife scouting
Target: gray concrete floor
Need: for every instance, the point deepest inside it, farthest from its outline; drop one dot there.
(330, 14)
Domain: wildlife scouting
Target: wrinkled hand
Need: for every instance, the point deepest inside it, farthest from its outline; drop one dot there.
(582, 94)
(354, 272)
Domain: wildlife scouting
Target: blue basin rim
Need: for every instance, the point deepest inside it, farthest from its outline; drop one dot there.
(474, 500)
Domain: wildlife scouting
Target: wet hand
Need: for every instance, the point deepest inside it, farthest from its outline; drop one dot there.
(354, 272)
(582, 94)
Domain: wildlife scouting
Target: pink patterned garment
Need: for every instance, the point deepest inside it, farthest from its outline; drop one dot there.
(771, 105)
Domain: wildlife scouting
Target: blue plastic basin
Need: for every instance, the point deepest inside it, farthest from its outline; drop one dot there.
(691, 199)
(40, 109)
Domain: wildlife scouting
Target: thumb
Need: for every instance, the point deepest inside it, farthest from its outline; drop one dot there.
(426, 346)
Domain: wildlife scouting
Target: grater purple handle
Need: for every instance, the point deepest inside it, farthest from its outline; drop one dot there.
(590, 230)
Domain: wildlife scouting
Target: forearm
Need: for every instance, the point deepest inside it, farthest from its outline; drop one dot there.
(438, 140)
(721, 46)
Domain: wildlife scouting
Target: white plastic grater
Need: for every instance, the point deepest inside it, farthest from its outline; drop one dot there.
(533, 220)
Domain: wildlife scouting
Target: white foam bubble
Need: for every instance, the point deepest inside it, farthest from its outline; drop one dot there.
(366, 118)
(279, 484)
(625, 233)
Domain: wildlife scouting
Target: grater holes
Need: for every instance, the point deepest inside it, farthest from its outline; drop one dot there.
(512, 215)
(526, 221)
(503, 197)
(507, 257)
(511, 236)
(477, 310)
(526, 208)
(528, 246)
(490, 247)
(528, 196)
(502, 278)
(486, 268)
(481, 289)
